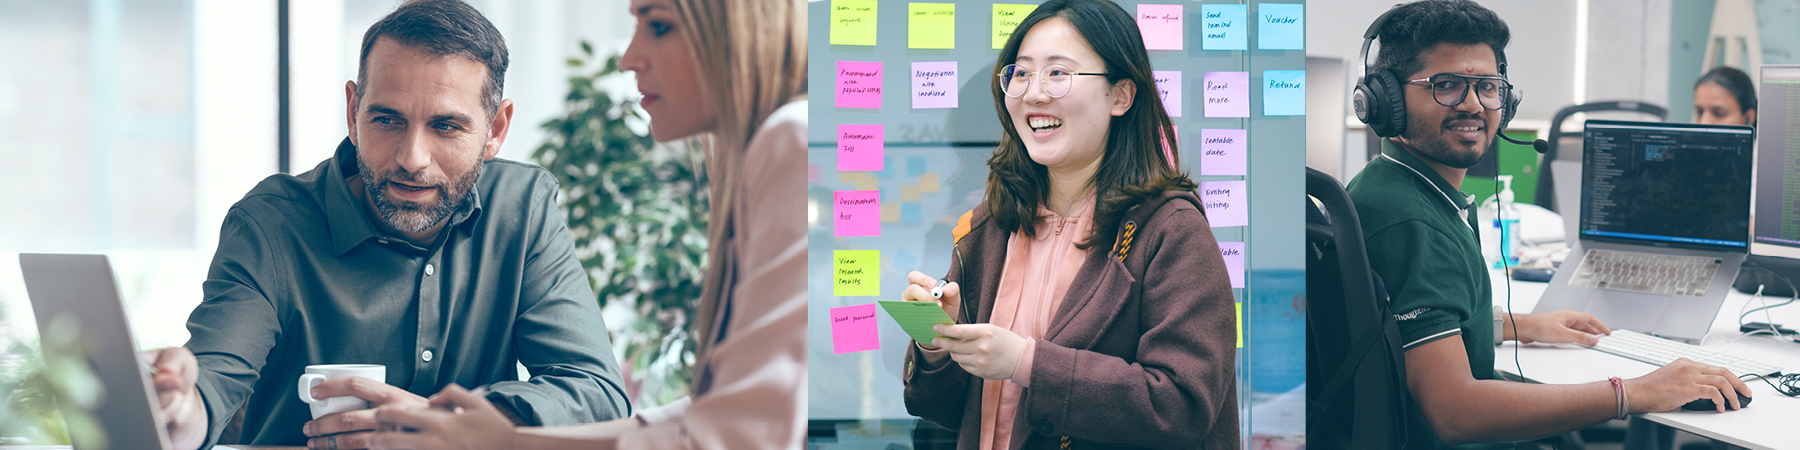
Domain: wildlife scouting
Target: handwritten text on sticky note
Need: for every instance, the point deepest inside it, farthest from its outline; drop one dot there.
(1223, 27)
(1227, 94)
(1006, 19)
(931, 25)
(858, 84)
(1234, 261)
(859, 147)
(1281, 26)
(858, 213)
(1161, 26)
(853, 329)
(1226, 202)
(934, 85)
(1168, 86)
(855, 273)
(1223, 152)
(1284, 92)
(852, 22)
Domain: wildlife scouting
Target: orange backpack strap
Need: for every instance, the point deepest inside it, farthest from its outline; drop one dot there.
(962, 227)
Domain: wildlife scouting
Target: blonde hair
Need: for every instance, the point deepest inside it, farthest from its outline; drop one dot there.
(752, 60)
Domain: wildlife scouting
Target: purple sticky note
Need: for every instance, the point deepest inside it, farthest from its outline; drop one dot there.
(859, 147)
(858, 213)
(1168, 86)
(1227, 205)
(1227, 94)
(1161, 26)
(858, 84)
(1222, 152)
(853, 329)
(934, 85)
(1234, 261)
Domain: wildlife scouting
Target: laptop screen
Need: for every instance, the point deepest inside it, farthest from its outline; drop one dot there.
(1666, 183)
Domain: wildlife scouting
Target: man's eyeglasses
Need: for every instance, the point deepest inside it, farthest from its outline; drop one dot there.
(1015, 81)
(1450, 89)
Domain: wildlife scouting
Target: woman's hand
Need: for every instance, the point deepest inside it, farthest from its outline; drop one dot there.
(983, 350)
(455, 419)
(920, 291)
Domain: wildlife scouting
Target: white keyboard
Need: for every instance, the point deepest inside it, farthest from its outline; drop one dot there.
(1646, 272)
(1659, 351)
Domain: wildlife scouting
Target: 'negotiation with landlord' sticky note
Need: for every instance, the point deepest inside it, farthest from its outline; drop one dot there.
(931, 25)
(1227, 205)
(1161, 26)
(852, 22)
(1284, 92)
(1168, 86)
(1233, 252)
(855, 272)
(934, 85)
(860, 148)
(1223, 152)
(857, 213)
(1227, 94)
(1006, 19)
(1281, 26)
(1223, 28)
(858, 84)
(853, 329)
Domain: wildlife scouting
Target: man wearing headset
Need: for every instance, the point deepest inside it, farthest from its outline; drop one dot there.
(1439, 95)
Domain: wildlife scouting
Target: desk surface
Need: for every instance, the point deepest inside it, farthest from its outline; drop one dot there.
(1759, 426)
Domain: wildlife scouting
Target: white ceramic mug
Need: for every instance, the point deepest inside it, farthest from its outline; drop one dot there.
(319, 373)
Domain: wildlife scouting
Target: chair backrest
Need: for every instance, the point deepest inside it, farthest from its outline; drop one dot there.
(1546, 184)
(1356, 392)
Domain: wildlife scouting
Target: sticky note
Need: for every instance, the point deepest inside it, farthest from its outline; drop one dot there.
(859, 147)
(1284, 92)
(1168, 86)
(1223, 27)
(915, 166)
(812, 173)
(855, 272)
(852, 22)
(929, 184)
(1224, 152)
(1006, 19)
(890, 212)
(853, 329)
(1226, 203)
(858, 213)
(858, 84)
(1281, 26)
(934, 85)
(1233, 252)
(1227, 94)
(912, 213)
(1161, 26)
(909, 193)
(1168, 145)
(866, 182)
(1240, 323)
(931, 25)
(917, 318)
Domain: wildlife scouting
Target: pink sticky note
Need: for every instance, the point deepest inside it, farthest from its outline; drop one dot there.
(1161, 26)
(812, 173)
(858, 213)
(859, 84)
(1227, 205)
(1170, 156)
(1168, 86)
(1227, 94)
(1234, 261)
(934, 84)
(853, 329)
(860, 147)
(1222, 152)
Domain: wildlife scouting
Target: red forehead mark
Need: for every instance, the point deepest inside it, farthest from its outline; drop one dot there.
(1470, 70)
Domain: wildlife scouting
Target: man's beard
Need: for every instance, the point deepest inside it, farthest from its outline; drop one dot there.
(1443, 148)
(413, 217)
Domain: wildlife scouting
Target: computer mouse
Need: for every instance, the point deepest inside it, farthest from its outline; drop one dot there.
(1706, 404)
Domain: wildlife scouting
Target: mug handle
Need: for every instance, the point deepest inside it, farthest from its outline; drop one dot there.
(307, 381)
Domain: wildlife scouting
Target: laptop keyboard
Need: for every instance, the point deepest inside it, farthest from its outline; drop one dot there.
(1659, 351)
(1646, 272)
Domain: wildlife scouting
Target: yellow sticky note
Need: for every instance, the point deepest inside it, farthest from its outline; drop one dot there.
(847, 177)
(909, 193)
(866, 182)
(928, 184)
(931, 25)
(855, 272)
(1006, 19)
(1240, 323)
(890, 212)
(853, 22)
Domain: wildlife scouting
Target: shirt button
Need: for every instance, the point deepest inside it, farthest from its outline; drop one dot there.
(428, 272)
(426, 356)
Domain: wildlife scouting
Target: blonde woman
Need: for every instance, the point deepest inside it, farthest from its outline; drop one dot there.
(731, 73)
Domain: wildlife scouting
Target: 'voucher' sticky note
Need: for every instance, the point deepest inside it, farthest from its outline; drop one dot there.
(1006, 19)
(853, 329)
(1233, 252)
(1168, 86)
(860, 147)
(1161, 26)
(1223, 27)
(931, 25)
(1281, 26)
(1227, 205)
(934, 84)
(855, 273)
(1223, 152)
(857, 213)
(858, 84)
(852, 22)
(1284, 92)
(917, 318)
(1227, 94)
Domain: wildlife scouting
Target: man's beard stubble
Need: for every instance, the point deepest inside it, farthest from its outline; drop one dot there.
(1442, 149)
(412, 217)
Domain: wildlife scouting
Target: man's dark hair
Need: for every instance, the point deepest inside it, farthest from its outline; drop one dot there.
(442, 28)
(1417, 26)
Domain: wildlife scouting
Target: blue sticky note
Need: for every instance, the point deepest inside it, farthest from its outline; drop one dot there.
(915, 166)
(1281, 26)
(1222, 27)
(888, 168)
(911, 213)
(1284, 92)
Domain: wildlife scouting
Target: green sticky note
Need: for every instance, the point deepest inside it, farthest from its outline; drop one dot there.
(917, 318)
(852, 22)
(1006, 19)
(931, 25)
(1240, 323)
(856, 272)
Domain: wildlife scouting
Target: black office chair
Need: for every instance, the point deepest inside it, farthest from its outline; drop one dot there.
(1546, 184)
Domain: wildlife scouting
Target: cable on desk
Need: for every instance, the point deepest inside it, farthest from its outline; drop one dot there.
(1765, 304)
(1790, 383)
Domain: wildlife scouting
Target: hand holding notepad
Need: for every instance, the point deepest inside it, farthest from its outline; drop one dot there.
(917, 318)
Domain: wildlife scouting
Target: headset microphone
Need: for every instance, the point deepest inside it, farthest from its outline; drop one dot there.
(1541, 145)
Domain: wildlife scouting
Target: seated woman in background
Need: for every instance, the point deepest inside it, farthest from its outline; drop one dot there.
(1725, 96)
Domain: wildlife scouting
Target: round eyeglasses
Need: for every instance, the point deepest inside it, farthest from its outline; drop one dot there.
(1451, 89)
(1015, 81)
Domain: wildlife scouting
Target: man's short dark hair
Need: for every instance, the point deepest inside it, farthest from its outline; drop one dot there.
(442, 28)
(1417, 26)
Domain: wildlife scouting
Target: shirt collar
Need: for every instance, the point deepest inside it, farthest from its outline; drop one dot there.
(349, 222)
(1452, 196)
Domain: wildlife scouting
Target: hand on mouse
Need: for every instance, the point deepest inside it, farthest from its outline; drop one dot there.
(1683, 381)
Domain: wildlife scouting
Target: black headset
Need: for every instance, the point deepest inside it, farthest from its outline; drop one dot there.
(1380, 100)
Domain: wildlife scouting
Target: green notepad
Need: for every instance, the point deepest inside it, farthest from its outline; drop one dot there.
(917, 318)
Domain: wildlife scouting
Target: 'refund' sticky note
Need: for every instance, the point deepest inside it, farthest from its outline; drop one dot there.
(1224, 152)
(853, 329)
(852, 22)
(1240, 323)
(917, 318)
(931, 25)
(1233, 252)
(934, 85)
(855, 273)
(1223, 27)
(1284, 92)
(1161, 26)
(1227, 205)
(1006, 19)
(860, 148)
(1281, 26)
(1168, 86)
(857, 213)
(1227, 94)
(858, 84)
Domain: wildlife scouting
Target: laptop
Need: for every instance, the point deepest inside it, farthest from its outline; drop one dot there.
(1664, 226)
(80, 289)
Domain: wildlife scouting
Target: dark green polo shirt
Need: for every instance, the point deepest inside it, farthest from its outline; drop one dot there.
(1420, 233)
(303, 276)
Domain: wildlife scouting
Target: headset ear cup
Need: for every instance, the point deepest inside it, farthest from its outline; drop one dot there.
(1511, 108)
(1386, 103)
